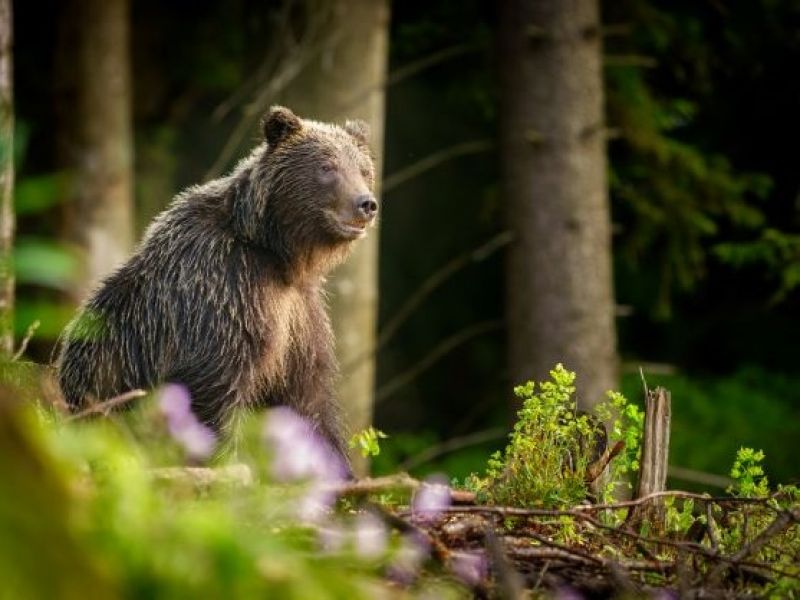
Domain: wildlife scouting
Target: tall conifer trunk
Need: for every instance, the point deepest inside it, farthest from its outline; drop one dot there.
(560, 302)
(94, 135)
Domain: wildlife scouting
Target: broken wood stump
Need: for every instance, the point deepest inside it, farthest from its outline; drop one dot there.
(654, 459)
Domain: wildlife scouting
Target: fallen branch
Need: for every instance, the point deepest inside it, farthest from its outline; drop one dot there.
(594, 470)
(509, 582)
(238, 475)
(701, 477)
(425, 289)
(780, 524)
(443, 348)
(434, 160)
(381, 485)
(26, 340)
(451, 445)
(106, 406)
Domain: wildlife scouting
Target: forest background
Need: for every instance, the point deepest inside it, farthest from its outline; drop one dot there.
(702, 176)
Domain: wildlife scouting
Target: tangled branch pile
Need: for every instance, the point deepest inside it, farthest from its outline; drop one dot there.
(713, 547)
(527, 525)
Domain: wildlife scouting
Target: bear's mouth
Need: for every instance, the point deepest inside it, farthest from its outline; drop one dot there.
(347, 227)
(355, 225)
(351, 229)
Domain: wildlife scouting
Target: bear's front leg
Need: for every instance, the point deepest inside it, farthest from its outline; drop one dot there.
(310, 392)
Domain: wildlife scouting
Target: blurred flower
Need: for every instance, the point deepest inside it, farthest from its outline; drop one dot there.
(370, 536)
(298, 451)
(567, 593)
(469, 568)
(432, 497)
(408, 559)
(315, 504)
(175, 404)
(332, 537)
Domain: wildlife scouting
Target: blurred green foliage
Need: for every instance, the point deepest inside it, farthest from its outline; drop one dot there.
(43, 262)
(775, 251)
(43, 265)
(676, 195)
(82, 503)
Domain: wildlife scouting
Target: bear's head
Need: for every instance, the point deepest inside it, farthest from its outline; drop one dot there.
(310, 188)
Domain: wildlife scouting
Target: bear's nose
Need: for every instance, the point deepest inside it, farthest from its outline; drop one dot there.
(366, 206)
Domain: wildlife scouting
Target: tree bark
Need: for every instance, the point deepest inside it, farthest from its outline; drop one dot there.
(6, 182)
(559, 285)
(95, 135)
(346, 80)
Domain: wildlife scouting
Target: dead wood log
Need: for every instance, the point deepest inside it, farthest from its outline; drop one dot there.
(655, 458)
(203, 478)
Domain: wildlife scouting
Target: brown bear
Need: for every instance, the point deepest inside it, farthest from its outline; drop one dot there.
(224, 293)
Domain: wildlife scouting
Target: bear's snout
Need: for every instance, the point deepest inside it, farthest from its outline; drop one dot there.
(366, 207)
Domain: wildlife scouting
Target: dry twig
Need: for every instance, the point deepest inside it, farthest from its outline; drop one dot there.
(106, 406)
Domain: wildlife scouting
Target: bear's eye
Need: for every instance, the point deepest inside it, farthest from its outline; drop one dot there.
(327, 167)
(366, 173)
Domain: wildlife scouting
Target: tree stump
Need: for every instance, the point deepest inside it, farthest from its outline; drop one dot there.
(655, 458)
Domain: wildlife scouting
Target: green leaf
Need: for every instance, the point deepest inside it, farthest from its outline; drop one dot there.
(44, 263)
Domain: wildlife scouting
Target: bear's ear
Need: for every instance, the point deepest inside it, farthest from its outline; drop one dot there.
(278, 124)
(359, 130)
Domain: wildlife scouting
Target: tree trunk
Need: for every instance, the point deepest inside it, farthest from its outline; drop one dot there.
(346, 80)
(559, 284)
(6, 182)
(94, 136)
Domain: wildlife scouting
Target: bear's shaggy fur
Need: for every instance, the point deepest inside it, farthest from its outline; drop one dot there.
(224, 293)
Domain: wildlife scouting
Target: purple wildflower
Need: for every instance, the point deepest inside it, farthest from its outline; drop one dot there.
(432, 497)
(314, 505)
(370, 536)
(298, 451)
(469, 568)
(176, 405)
(408, 559)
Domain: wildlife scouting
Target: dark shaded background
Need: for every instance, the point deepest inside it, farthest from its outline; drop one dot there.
(723, 74)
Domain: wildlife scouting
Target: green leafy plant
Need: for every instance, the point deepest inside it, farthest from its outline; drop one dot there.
(367, 441)
(743, 526)
(680, 517)
(748, 474)
(552, 445)
(627, 423)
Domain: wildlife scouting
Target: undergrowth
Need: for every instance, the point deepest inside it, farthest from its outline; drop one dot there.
(97, 508)
(90, 504)
(552, 445)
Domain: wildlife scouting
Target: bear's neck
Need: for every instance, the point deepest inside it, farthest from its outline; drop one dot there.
(304, 265)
